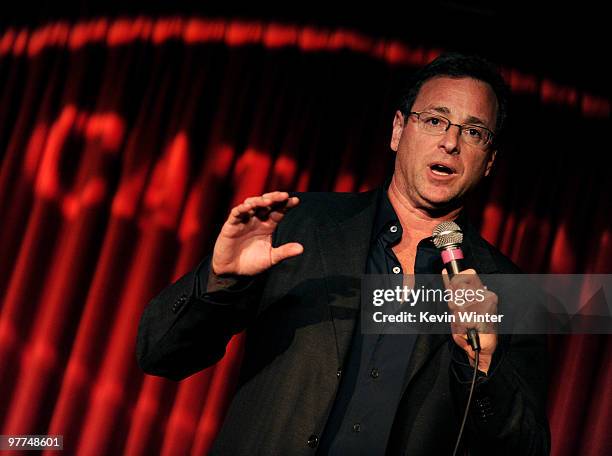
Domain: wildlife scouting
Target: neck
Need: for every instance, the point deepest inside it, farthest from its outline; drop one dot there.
(418, 222)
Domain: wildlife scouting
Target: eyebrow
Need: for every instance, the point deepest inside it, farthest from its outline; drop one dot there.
(472, 120)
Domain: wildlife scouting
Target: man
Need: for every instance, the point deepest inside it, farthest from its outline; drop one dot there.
(288, 269)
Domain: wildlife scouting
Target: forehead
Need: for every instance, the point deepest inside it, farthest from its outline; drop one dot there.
(463, 97)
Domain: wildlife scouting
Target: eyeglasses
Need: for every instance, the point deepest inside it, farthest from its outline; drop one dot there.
(435, 124)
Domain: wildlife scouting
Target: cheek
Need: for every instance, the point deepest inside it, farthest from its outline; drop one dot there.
(477, 169)
(410, 147)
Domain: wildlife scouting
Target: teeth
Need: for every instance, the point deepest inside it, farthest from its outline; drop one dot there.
(439, 173)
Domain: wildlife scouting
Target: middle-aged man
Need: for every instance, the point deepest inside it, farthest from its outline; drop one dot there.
(288, 268)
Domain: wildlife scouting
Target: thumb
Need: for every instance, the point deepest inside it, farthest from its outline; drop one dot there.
(285, 251)
(445, 279)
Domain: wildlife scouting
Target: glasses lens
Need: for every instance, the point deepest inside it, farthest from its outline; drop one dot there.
(475, 135)
(433, 123)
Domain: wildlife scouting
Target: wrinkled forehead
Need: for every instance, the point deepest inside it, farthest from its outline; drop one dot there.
(461, 99)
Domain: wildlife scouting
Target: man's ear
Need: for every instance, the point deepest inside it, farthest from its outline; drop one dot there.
(398, 127)
(490, 162)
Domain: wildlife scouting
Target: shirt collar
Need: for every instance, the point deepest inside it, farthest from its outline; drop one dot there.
(386, 216)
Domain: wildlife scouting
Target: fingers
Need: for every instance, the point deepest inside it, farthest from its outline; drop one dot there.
(285, 251)
(241, 213)
(269, 205)
(268, 199)
(276, 196)
(445, 279)
(465, 279)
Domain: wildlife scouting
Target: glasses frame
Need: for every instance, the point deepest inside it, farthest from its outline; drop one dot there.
(461, 127)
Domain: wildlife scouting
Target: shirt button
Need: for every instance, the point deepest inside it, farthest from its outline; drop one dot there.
(338, 373)
(356, 427)
(313, 440)
(393, 229)
(374, 373)
(397, 269)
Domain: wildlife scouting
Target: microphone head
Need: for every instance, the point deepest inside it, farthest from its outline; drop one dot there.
(447, 234)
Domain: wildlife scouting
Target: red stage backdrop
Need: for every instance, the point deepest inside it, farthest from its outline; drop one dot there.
(123, 144)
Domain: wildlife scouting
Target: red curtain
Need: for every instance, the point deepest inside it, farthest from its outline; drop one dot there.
(124, 142)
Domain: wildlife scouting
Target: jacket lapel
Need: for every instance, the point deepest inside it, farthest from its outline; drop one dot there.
(476, 251)
(424, 347)
(479, 257)
(344, 246)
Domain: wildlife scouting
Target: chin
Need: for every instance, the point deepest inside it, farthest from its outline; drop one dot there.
(439, 198)
(441, 202)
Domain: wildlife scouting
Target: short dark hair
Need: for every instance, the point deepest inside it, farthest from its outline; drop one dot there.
(456, 65)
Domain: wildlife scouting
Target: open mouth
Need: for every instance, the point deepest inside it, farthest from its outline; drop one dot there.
(441, 170)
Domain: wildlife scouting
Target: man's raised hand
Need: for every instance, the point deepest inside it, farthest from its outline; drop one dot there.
(244, 245)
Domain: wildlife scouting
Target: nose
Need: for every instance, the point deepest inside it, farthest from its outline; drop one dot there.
(450, 139)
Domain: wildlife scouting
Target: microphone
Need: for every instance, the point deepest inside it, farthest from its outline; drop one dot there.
(447, 237)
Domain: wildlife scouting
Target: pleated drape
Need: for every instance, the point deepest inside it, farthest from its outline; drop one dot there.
(123, 144)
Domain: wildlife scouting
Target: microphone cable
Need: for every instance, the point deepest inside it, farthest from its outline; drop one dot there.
(448, 237)
(474, 341)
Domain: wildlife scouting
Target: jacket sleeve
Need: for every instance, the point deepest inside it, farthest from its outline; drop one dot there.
(184, 330)
(508, 410)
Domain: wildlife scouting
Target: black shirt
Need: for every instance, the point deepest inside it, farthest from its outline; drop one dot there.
(373, 377)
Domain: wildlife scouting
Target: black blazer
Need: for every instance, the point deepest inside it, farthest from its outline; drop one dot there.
(300, 317)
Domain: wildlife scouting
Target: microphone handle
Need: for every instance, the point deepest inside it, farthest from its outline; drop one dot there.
(473, 339)
(453, 267)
